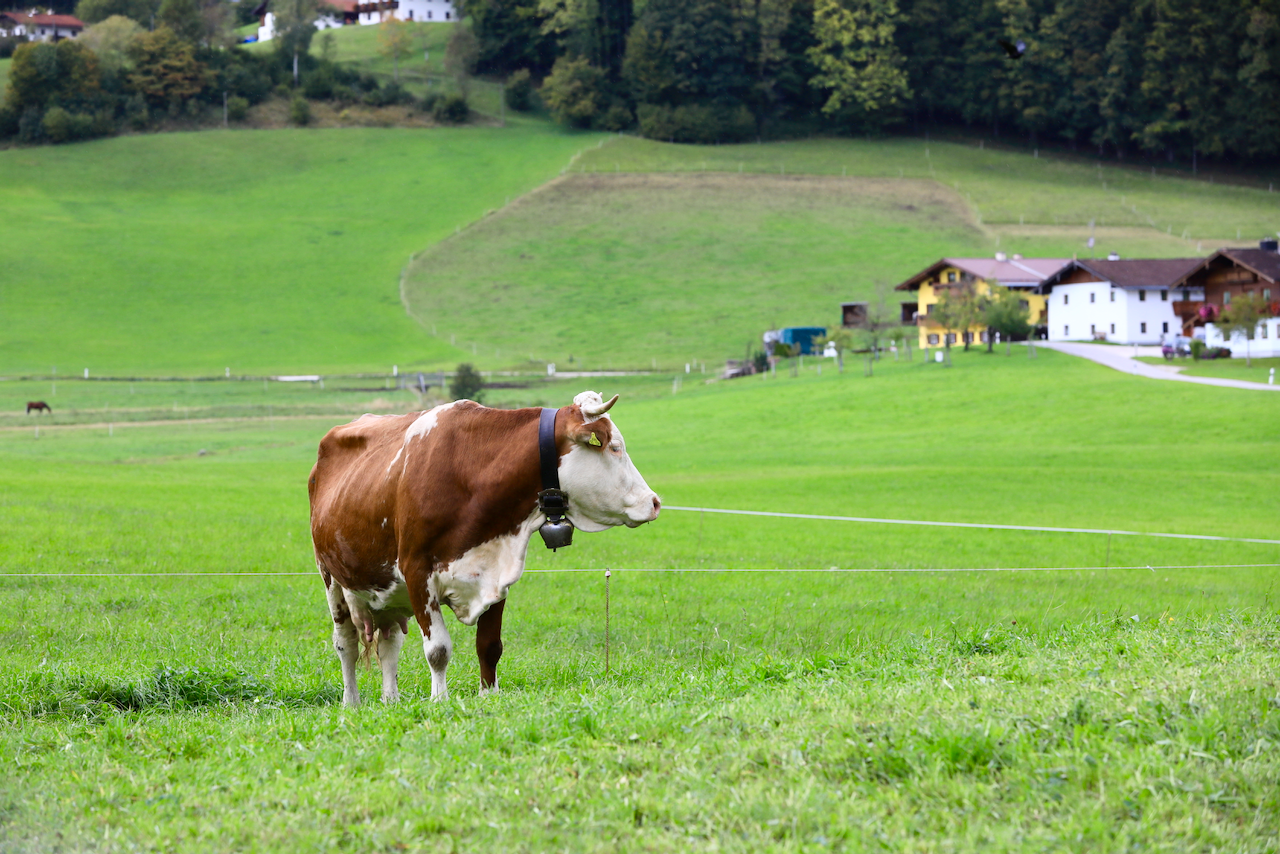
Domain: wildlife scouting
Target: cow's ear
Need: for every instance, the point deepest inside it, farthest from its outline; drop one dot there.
(595, 434)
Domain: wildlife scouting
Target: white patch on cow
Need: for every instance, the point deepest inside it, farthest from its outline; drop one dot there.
(395, 596)
(482, 576)
(604, 487)
(426, 422)
(399, 451)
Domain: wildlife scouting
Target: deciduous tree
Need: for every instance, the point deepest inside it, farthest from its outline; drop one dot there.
(1008, 313)
(1241, 317)
(295, 22)
(164, 68)
(860, 68)
(395, 41)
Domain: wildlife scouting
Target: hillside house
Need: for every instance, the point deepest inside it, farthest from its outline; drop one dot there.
(40, 27)
(1133, 301)
(1227, 274)
(1012, 271)
(341, 13)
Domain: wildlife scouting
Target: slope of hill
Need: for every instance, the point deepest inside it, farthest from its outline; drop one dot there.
(654, 255)
(274, 252)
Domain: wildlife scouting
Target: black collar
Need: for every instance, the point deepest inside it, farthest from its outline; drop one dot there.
(547, 453)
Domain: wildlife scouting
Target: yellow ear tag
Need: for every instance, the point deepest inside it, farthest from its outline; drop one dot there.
(593, 440)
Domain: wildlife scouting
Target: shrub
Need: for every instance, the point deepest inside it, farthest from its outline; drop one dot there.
(452, 109)
(319, 84)
(574, 92)
(300, 111)
(467, 383)
(519, 91)
(136, 112)
(699, 123)
(616, 118)
(1197, 349)
(30, 126)
(62, 126)
(8, 122)
(8, 44)
(344, 94)
(237, 108)
(429, 101)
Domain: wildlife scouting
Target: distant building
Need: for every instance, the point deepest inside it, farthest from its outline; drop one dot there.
(39, 27)
(1210, 286)
(1011, 271)
(340, 13)
(1130, 301)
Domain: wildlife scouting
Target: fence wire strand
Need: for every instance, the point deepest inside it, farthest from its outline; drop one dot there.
(833, 570)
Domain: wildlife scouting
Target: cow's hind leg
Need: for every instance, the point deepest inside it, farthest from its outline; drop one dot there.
(489, 646)
(390, 639)
(346, 642)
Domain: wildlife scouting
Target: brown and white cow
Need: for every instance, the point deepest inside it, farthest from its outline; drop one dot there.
(411, 512)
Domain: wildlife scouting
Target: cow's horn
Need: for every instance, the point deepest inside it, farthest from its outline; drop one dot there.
(591, 410)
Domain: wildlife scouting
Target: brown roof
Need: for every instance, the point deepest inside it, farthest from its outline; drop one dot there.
(1264, 262)
(1132, 273)
(68, 21)
(1011, 272)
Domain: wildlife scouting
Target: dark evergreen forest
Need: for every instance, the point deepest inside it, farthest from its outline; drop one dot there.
(1175, 79)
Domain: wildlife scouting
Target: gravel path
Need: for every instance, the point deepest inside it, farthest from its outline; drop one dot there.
(1121, 359)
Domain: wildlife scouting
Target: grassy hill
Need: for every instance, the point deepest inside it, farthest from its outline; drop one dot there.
(264, 252)
(651, 254)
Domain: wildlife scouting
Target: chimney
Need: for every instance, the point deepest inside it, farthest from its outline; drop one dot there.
(1000, 256)
(1113, 256)
(1269, 244)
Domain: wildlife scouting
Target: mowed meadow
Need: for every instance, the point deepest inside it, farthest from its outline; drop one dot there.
(166, 676)
(1130, 701)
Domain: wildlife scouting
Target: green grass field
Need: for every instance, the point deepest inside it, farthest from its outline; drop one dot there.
(951, 689)
(1232, 369)
(264, 252)
(1078, 709)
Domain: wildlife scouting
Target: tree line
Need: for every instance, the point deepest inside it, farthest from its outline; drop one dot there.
(1179, 79)
(182, 64)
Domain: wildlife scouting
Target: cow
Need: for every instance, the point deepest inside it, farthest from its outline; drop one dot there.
(412, 512)
(38, 405)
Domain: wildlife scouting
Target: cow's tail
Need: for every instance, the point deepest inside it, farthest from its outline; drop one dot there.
(369, 647)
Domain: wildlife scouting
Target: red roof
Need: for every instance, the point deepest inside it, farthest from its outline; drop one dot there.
(70, 22)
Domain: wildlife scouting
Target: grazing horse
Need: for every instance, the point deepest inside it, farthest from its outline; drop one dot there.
(38, 405)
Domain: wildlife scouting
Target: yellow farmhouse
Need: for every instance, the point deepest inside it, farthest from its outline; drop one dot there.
(1011, 271)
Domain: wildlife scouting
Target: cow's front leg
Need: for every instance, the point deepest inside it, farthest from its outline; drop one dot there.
(489, 646)
(436, 642)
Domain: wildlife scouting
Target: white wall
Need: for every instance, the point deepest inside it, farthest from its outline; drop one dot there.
(410, 10)
(1265, 343)
(1082, 311)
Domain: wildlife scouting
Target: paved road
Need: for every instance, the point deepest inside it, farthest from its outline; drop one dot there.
(1121, 359)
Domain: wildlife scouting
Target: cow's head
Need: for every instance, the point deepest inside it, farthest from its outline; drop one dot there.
(603, 485)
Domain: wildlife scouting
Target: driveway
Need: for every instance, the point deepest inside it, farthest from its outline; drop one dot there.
(1120, 358)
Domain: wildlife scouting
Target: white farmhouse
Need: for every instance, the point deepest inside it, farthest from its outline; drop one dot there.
(339, 13)
(1125, 301)
(40, 27)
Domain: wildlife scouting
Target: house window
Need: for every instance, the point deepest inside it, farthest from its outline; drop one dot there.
(1091, 299)
(1226, 297)
(1066, 298)
(1142, 327)
(1266, 294)
(1164, 296)
(1142, 295)
(1113, 329)
(1186, 295)
(1093, 330)
(1263, 327)
(428, 14)
(1066, 329)
(1164, 327)
(933, 339)
(1113, 296)
(951, 338)
(951, 277)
